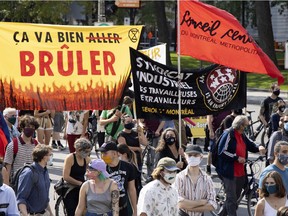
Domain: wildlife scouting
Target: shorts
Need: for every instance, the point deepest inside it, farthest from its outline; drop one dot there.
(45, 123)
(212, 143)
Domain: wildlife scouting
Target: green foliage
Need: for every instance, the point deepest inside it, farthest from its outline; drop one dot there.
(52, 12)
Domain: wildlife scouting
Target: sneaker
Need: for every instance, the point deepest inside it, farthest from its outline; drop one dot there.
(208, 170)
(60, 146)
(54, 145)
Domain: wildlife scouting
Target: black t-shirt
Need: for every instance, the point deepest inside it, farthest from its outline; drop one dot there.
(132, 140)
(122, 174)
(227, 122)
(267, 104)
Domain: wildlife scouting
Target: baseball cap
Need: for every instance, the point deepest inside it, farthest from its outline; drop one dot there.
(110, 145)
(99, 165)
(167, 163)
(193, 149)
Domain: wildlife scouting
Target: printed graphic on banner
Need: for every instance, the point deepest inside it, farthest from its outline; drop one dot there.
(64, 67)
(214, 35)
(203, 91)
(157, 53)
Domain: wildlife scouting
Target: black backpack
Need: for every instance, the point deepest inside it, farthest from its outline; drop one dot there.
(214, 151)
(15, 179)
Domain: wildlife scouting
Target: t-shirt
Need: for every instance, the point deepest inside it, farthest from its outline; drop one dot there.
(241, 152)
(106, 114)
(273, 167)
(218, 118)
(267, 104)
(23, 156)
(122, 174)
(8, 201)
(75, 122)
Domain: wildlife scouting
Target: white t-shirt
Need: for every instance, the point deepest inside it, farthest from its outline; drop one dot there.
(156, 199)
(75, 122)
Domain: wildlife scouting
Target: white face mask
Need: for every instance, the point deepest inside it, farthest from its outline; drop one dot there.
(169, 177)
(194, 161)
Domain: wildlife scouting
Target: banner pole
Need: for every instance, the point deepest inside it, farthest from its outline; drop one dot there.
(179, 77)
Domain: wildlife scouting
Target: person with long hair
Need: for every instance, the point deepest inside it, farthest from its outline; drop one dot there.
(100, 193)
(273, 195)
(168, 146)
(126, 154)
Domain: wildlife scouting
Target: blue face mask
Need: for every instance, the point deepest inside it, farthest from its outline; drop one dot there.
(283, 159)
(286, 126)
(272, 189)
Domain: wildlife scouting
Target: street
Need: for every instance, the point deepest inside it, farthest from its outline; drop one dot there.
(59, 156)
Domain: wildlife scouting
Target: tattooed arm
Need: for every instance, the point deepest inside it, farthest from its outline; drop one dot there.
(115, 199)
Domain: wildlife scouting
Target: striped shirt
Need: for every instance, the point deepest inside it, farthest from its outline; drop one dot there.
(202, 189)
(24, 155)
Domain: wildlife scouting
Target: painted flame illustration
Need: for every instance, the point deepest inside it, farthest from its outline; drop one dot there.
(100, 97)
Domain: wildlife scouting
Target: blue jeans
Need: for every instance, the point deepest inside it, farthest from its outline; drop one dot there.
(95, 214)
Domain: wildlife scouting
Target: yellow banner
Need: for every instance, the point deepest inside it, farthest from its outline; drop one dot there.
(64, 67)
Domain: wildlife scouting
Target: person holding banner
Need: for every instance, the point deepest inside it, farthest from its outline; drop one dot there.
(168, 146)
(111, 120)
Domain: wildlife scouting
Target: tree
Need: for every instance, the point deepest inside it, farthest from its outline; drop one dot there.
(265, 31)
(34, 11)
(163, 29)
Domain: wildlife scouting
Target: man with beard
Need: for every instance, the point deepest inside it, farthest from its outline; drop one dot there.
(280, 161)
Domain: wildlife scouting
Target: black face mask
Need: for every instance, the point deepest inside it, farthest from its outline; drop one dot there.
(238, 112)
(281, 108)
(170, 140)
(129, 126)
(277, 92)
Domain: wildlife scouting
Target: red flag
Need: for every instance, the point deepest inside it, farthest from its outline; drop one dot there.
(212, 34)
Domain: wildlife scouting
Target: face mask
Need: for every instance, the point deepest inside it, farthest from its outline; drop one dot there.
(28, 132)
(272, 189)
(238, 112)
(12, 120)
(277, 92)
(169, 177)
(286, 126)
(194, 161)
(129, 126)
(283, 159)
(84, 154)
(281, 108)
(107, 159)
(170, 140)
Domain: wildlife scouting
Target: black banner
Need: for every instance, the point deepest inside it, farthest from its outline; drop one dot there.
(203, 91)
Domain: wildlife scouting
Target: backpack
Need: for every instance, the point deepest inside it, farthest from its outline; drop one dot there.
(15, 179)
(214, 151)
(15, 146)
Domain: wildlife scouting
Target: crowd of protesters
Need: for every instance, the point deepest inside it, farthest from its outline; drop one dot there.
(112, 185)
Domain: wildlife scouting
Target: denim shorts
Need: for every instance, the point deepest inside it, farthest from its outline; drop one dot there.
(95, 214)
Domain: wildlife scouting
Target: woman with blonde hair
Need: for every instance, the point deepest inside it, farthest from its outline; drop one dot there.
(100, 193)
(273, 195)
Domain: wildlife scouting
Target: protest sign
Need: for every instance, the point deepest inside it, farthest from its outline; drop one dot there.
(64, 67)
(203, 91)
